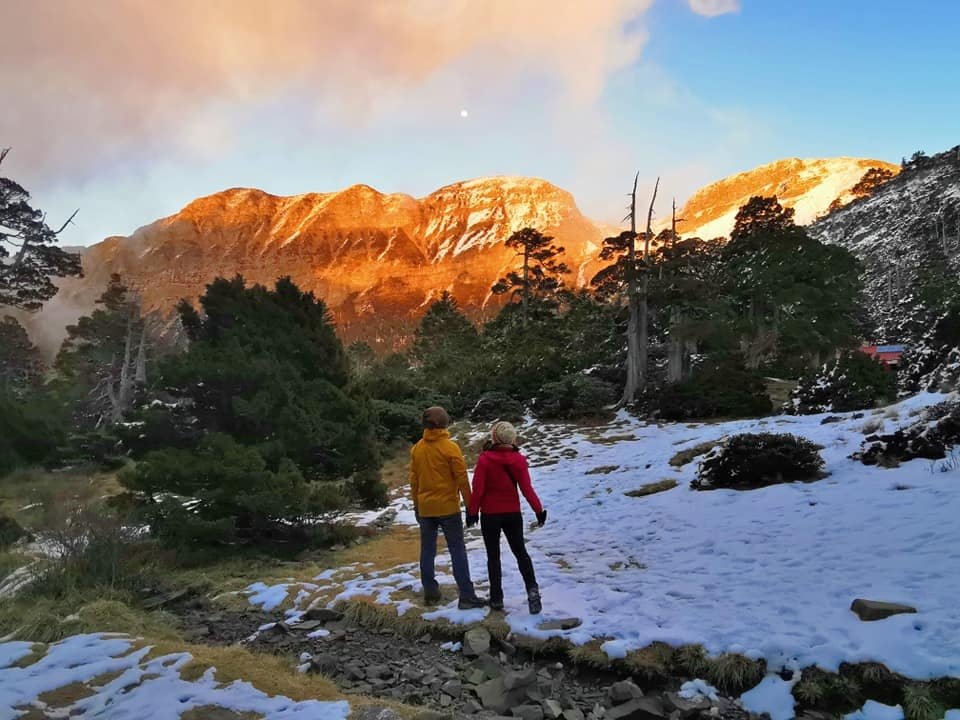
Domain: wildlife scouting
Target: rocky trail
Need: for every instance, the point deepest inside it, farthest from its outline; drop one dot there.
(478, 676)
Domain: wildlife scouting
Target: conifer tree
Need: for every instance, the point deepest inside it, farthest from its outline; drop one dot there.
(541, 271)
(20, 363)
(446, 347)
(29, 256)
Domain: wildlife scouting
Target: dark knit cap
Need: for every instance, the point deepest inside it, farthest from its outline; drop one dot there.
(435, 417)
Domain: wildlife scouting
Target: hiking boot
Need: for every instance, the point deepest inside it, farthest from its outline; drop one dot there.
(470, 603)
(534, 603)
(430, 599)
(496, 605)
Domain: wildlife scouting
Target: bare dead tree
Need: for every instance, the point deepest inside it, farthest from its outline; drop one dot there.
(643, 330)
(634, 371)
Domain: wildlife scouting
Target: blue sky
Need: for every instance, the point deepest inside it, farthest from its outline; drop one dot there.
(131, 125)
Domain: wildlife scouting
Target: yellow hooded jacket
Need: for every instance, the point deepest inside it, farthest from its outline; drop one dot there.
(438, 473)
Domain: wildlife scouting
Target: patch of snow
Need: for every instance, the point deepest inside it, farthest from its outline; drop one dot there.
(773, 696)
(873, 710)
(453, 647)
(693, 689)
(143, 688)
(318, 633)
(268, 597)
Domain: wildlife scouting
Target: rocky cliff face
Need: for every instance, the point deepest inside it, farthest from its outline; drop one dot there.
(376, 259)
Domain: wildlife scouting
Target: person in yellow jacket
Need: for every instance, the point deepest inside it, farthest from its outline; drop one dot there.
(438, 479)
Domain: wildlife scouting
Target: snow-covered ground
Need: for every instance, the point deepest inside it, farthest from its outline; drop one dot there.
(768, 573)
(125, 684)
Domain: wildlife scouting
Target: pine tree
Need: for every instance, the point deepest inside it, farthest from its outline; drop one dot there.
(540, 275)
(29, 256)
(446, 347)
(871, 180)
(102, 361)
(795, 298)
(21, 366)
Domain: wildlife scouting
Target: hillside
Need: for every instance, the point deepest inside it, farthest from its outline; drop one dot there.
(808, 186)
(910, 224)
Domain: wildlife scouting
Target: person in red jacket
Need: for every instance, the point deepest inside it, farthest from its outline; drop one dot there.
(501, 471)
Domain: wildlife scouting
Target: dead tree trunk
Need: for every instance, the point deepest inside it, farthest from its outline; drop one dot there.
(140, 376)
(633, 302)
(644, 339)
(675, 348)
(526, 284)
(125, 392)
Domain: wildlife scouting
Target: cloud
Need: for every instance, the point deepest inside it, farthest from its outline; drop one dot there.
(104, 84)
(712, 8)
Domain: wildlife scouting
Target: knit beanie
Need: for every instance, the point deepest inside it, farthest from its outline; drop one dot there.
(435, 417)
(503, 433)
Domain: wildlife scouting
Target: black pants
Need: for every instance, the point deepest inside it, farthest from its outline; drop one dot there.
(511, 524)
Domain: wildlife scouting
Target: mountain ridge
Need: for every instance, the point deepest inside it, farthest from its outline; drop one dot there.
(379, 258)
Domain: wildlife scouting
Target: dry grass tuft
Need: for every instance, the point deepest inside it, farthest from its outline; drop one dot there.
(652, 488)
(685, 456)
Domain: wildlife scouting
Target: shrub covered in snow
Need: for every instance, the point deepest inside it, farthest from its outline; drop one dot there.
(497, 406)
(933, 364)
(716, 389)
(573, 397)
(854, 381)
(931, 436)
(755, 460)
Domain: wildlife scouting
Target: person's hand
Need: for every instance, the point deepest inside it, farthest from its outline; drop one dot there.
(472, 520)
(541, 517)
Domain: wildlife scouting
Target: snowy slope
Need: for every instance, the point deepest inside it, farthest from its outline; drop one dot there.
(769, 573)
(908, 225)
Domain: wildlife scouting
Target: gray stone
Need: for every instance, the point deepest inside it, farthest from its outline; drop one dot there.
(645, 708)
(520, 678)
(534, 694)
(552, 709)
(490, 667)
(527, 712)
(412, 673)
(376, 713)
(623, 691)
(472, 707)
(454, 688)
(323, 615)
(379, 672)
(686, 709)
(307, 626)
(560, 624)
(445, 700)
(870, 610)
(573, 714)
(476, 642)
(477, 677)
(355, 672)
(495, 696)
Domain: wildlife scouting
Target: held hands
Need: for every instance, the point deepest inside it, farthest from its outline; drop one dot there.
(541, 517)
(472, 520)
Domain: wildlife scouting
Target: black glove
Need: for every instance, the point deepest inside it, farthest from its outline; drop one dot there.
(472, 520)
(541, 517)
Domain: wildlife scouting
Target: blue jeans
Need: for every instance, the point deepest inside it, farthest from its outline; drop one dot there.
(452, 526)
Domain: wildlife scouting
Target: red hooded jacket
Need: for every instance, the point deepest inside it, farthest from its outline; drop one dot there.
(499, 473)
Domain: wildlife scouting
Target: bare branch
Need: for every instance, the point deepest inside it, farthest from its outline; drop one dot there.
(3, 154)
(68, 222)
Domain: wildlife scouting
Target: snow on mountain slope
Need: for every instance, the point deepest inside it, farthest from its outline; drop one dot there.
(768, 573)
(808, 186)
(908, 225)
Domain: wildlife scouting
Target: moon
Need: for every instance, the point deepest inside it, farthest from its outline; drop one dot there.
(464, 113)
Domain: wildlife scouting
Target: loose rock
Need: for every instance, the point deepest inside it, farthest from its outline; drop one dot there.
(527, 712)
(520, 678)
(645, 708)
(623, 691)
(560, 624)
(870, 610)
(476, 642)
